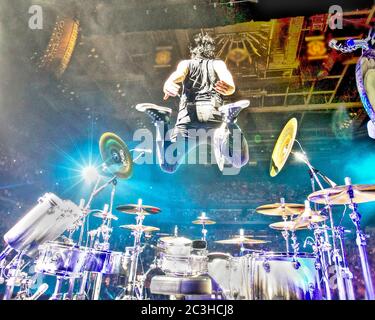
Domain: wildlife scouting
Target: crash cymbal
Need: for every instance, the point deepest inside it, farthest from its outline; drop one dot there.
(116, 155)
(105, 216)
(204, 221)
(241, 240)
(289, 225)
(283, 147)
(138, 209)
(281, 209)
(135, 227)
(339, 194)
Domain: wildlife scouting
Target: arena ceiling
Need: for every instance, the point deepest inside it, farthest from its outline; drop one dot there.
(122, 56)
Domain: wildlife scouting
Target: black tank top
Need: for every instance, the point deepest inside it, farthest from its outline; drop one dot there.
(200, 82)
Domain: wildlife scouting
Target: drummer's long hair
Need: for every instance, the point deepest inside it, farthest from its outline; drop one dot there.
(203, 48)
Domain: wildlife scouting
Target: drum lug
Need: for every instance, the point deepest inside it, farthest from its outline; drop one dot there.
(296, 264)
(266, 266)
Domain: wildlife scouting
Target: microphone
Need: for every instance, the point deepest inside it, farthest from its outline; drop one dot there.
(42, 289)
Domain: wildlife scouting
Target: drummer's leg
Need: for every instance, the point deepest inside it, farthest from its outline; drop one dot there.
(174, 153)
(231, 144)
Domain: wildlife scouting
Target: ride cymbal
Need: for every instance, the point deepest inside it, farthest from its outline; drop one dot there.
(204, 221)
(116, 155)
(241, 240)
(283, 147)
(138, 209)
(135, 227)
(340, 194)
(281, 209)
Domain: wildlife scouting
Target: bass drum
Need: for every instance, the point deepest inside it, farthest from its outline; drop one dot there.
(267, 276)
(223, 268)
(277, 276)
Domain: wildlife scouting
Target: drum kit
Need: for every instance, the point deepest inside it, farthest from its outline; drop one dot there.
(54, 236)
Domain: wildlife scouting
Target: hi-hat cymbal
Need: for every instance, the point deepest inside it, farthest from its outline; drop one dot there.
(241, 240)
(116, 155)
(204, 221)
(135, 227)
(105, 216)
(281, 209)
(289, 225)
(283, 147)
(138, 209)
(339, 194)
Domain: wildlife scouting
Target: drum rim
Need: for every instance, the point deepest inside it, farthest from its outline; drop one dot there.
(282, 254)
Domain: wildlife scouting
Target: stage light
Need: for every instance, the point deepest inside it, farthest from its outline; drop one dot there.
(90, 174)
(300, 156)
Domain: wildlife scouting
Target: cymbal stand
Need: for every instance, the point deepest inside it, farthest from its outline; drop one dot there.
(295, 247)
(361, 242)
(132, 290)
(348, 276)
(320, 263)
(335, 254)
(96, 190)
(14, 269)
(285, 232)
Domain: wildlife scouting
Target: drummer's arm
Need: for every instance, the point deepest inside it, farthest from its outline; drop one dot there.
(225, 85)
(171, 86)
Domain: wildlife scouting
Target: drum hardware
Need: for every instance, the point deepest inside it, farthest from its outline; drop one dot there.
(282, 150)
(204, 220)
(352, 195)
(135, 288)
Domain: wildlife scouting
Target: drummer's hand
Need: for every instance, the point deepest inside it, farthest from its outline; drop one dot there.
(223, 88)
(170, 89)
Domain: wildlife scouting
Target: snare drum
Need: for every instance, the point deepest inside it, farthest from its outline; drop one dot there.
(60, 259)
(192, 265)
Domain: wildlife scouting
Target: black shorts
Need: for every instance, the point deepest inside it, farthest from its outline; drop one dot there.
(198, 115)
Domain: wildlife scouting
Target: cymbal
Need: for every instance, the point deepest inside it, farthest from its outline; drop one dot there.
(241, 240)
(281, 209)
(105, 216)
(311, 217)
(289, 225)
(339, 195)
(137, 209)
(283, 147)
(135, 227)
(116, 155)
(202, 220)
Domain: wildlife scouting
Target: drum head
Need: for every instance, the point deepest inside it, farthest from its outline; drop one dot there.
(176, 241)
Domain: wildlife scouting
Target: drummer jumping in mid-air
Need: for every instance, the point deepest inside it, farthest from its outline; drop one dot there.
(205, 80)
